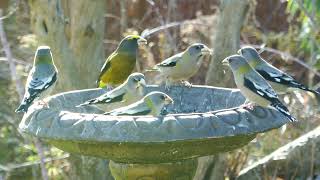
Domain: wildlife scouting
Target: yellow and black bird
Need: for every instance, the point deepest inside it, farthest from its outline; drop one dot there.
(120, 64)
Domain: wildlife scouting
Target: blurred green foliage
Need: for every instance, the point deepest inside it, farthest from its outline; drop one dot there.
(307, 13)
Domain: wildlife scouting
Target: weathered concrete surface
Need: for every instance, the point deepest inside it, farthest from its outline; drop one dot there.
(146, 139)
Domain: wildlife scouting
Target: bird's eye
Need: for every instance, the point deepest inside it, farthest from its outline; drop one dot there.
(135, 80)
(197, 47)
(162, 97)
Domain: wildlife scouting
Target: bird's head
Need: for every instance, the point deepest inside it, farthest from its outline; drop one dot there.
(43, 55)
(251, 55)
(131, 43)
(136, 81)
(199, 50)
(236, 63)
(159, 98)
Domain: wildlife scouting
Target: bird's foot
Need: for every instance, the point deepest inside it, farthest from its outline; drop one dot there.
(164, 111)
(247, 106)
(109, 88)
(167, 87)
(186, 83)
(43, 103)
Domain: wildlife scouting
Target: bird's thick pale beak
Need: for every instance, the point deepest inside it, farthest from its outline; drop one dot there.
(239, 52)
(142, 82)
(206, 51)
(168, 100)
(225, 62)
(142, 41)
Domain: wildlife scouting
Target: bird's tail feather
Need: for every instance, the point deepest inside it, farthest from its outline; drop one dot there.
(23, 107)
(313, 91)
(305, 88)
(107, 113)
(283, 109)
(89, 102)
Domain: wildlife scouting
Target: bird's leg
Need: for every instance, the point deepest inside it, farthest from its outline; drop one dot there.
(167, 85)
(246, 101)
(247, 105)
(43, 103)
(109, 87)
(186, 83)
(135, 122)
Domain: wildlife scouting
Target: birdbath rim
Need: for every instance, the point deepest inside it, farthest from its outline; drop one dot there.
(138, 139)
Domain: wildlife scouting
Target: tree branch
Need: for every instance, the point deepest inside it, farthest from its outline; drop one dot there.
(11, 12)
(15, 61)
(12, 66)
(295, 159)
(19, 89)
(226, 40)
(149, 32)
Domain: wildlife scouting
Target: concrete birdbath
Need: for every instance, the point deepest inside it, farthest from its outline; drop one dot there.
(203, 121)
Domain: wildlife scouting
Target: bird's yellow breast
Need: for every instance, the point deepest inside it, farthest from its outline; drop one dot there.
(120, 68)
(244, 69)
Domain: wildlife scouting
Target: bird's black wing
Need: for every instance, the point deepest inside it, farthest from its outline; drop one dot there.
(265, 91)
(105, 67)
(170, 62)
(261, 89)
(35, 86)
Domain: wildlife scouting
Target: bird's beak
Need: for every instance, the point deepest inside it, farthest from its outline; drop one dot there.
(225, 62)
(168, 100)
(142, 41)
(142, 82)
(206, 51)
(239, 52)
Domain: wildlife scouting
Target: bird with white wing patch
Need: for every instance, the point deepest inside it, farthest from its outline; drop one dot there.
(280, 81)
(41, 79)
(253, 86)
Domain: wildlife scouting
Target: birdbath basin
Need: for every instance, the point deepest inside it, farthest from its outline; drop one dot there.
(203, 121)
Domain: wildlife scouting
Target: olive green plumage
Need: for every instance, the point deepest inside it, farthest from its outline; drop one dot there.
(120, 64)
(132, 90)
(152, 104)
(253, 86)
(280, 81)
(182, 66)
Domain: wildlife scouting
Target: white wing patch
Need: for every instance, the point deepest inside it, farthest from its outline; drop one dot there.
(261, 93)
(269, 93)
(276, 73)
(277, 79)
(273, 74)
(264, 89)
(42, 83)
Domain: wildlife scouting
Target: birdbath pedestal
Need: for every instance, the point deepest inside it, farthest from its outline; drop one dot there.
(203, 121)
